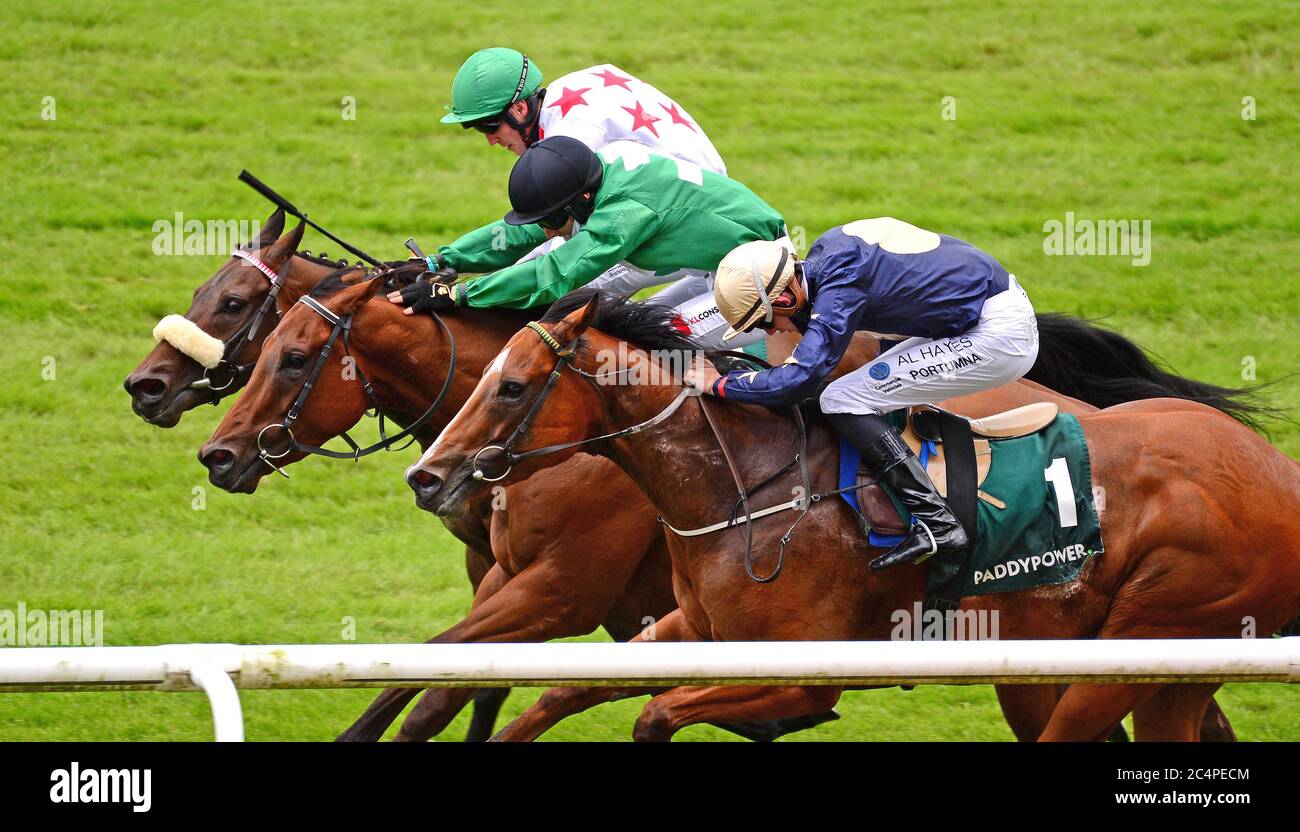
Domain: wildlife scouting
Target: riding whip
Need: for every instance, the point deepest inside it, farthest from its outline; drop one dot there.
(289, 208)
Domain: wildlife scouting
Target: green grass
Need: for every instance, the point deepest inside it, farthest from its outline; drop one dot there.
(831, 112)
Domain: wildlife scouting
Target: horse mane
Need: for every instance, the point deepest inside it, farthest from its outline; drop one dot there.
(652, 327)
(332, 283)
(324, 259)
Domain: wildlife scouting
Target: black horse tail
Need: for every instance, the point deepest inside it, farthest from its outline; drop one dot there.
(1103, 368)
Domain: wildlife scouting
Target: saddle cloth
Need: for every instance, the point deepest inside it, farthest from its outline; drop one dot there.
(921, 433)
(1036, 514)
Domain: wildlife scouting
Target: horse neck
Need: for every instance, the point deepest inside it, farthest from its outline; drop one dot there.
(407, 357)
(679, 464)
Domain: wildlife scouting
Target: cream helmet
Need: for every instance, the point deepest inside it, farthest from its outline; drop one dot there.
(749, 278)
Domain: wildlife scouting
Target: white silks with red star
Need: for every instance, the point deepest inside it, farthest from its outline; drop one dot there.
(604, 104)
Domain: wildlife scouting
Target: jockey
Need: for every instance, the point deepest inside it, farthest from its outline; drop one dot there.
(964, 323)
(626, 203)
(499, 92)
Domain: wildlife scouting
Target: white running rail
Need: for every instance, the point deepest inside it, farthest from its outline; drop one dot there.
(218, 669)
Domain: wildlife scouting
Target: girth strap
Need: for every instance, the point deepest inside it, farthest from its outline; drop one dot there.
(963, 494)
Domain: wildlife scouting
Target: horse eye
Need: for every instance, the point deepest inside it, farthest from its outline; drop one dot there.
(511, 390)
(294, 361)
(232, 304)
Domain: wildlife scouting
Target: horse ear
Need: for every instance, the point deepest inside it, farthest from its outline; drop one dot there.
(576, 322)
(356, 295)
(284, 247)
(271, 231)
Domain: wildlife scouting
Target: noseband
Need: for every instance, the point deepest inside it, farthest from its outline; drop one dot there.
(564, 358)
(234, 345)
(342, 327)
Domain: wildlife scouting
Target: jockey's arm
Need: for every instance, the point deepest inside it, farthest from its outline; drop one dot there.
(830, 330)
(612, 233)
(494, 246)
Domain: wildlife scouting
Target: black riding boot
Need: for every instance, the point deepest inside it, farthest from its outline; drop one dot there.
(935, 529)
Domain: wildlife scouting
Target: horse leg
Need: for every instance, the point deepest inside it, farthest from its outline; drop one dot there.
(487, 705)
(523, 608)
(488, 701)
(669, 712)
(1215, 726)
(1176, 714)
(1027, 708)
(370, 726)
(1090, 712)
(558, 703)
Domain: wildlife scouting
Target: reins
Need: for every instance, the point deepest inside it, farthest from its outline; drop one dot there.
(565, 354)
(342, 328)
(564, 359)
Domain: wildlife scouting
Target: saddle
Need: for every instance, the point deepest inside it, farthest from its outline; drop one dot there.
(925, 425)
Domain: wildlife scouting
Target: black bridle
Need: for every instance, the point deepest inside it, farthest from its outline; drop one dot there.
(564, 358)
(342, 328)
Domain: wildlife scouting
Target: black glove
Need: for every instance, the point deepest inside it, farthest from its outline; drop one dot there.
(427, 296)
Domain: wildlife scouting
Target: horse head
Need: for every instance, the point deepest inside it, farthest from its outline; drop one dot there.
(205, 354)
(541, 399)
(293, 363)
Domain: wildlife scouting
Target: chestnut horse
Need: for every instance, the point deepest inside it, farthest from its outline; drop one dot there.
(613, 567)
(1201, 519)
(406, 359)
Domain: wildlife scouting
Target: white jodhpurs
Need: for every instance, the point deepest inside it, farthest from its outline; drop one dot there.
(1000, 349)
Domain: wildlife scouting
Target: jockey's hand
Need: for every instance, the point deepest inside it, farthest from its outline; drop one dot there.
(425, 296)
(701, 375)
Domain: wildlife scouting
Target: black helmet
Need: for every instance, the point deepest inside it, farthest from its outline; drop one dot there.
(550, 177)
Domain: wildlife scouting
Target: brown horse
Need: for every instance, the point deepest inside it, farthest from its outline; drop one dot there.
(1201, 516)
(167, 383)
(407, 359)
(614, 568)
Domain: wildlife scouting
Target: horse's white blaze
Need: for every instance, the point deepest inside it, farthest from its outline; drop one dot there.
(491, 371)
(186, 336)
(495, 366)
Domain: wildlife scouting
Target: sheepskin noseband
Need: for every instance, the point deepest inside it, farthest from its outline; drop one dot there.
(185, 335)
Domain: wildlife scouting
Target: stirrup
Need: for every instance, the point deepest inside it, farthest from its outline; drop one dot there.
(934, 544)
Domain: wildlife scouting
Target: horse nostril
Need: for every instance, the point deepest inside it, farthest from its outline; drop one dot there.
(424, 483)
(217, 460)
(146, 389)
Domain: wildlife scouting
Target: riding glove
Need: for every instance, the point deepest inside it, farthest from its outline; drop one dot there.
(427, 296)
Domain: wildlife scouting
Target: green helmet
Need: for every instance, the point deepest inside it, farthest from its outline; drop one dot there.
(491, 80)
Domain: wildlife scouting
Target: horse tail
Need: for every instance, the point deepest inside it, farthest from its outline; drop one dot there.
(1103, 368)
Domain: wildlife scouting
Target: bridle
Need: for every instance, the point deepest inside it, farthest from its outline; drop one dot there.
(342, 328)
(564, 358)
(235, 344)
